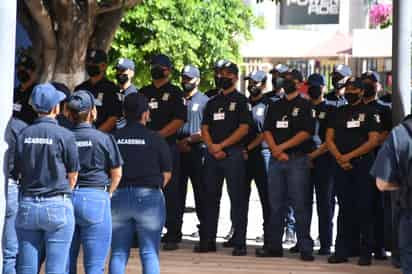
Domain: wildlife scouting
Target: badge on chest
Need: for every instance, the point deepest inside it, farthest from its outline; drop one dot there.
(219, 115)
(353, 124)
(153, 104)
(282, 124)
(166, 97)
(295, 111)
(17, 107)
(232, 106)
(260, 111)
(195, 107)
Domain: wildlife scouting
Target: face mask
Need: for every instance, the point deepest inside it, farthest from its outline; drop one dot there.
(188, 87)
(370, 90)
(277, 82)
(352, 98)
(122, 78)
(157, 73)
(314, 92)
(92, 70)
(336, 81)
(226, 83)
(23, 76)
(254, 90)
(289, 86)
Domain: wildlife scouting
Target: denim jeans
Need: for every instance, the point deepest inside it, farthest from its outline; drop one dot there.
(48, 222)
(10, 243)
(405, 240)
(93, 229)
(289, 180)
(137, 210)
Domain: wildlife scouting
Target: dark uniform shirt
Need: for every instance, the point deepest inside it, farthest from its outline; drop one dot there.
(14, 127)
(322, 112)
(385, 114)
(386, 99)
(225, 113)
(285, 119)
(98, 154)
(352, 125)
(146, 156)
(274, 95)
(166, 104)
(195, 107)
(121, 121)
(333, 100)
(45, 154)
(21, 105)
(259, 110)
(105, 92)
(212, 92)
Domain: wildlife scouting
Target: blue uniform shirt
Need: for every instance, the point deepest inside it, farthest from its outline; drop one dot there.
(195, 106)
(146, 156)
(14, 127)
(45, 154)
(98, 154)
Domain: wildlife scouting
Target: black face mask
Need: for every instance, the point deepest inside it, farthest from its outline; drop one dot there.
(289, 86)
(277, 82)
(226, 83)
(157, 73)
(92, 70)
(122, 78)
(370, 90)
(23, 76)
(217, 82)
(254, 90)
(315, 92)
(335, 81)
(352, 98)
(188, 87)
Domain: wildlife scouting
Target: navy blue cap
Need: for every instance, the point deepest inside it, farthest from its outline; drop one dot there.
(81, 101)
(161, 60)
(63, 88)
(316, 79)
(371, 75)
(191, 72)
(257, 76)
(355, 82)
(343, 70)
(135, 103)
(295, 74)
(96, 56)
(45, 97)
(125, 64)
(231, 67)
(26, 62)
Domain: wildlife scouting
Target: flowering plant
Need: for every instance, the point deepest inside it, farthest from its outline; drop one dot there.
(381, 15)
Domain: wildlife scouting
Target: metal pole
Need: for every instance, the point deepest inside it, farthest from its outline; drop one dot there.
(401, 56)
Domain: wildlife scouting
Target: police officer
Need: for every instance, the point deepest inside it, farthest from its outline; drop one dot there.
(26, 74)
(167, 115)
(217, 76)
(62, 117)
(102, 89)
(99, 176)
(138, 204)
(47, 159)
(278, 74)
(10, 242)
(352, 136)
(226, 121)
(340, 75)
(392, 170)
(191, 147)
(255, 148)
(125, 70)
(288, 126)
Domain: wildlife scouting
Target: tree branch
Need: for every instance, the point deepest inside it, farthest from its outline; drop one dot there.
(116, 5)
(106, 26)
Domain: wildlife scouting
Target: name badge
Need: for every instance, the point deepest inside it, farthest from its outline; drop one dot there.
(282, 124)
(353, 124)
(219, 116)
(153, 105)
(322, 115)
(166, 97)
(260, 111)
(17, 107)
(232, 106)
(120, 97)
(195, 107)
(362, 117)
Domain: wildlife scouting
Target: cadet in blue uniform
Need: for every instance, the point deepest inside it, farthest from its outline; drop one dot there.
(340, 75)
(167, 115)
(278, 74)
(255, 148)
(102, 89)
(99, 176)
(217, 70)
(138, 204)
(288, 126)
(226, 121)
(47, 159)
(190, 144)
(26, 74)
(352, 136)
(10, 242)
(124, 76)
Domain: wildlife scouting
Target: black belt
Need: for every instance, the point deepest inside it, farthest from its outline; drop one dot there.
(104, 188)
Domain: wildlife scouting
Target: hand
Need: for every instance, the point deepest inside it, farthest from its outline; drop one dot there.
(283, 157)
(214, 148)
(346, 166)
(343, 159)
(276, 152)
(220, 155)
(245, 155)
(183, 146)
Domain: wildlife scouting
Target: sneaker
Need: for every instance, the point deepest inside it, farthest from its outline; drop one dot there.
(228, 244)
(266, 253)
(204, 247)
(335, 259)
(239, 251)
(260, 239)
(307, 257)
(290, 237)
(380, 255)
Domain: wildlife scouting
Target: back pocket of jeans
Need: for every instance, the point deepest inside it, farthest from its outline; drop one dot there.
(23, 217)
(56, 216)
(91, 211)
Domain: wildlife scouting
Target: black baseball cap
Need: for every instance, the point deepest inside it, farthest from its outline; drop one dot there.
(231, 67)
(135, 103)
(161, 60)
(355, 82)
(96, 56)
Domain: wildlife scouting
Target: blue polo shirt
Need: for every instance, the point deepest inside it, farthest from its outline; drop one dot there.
(195, 106)
(146, 156)
(14, 127)
(45, 154)
(98, 154)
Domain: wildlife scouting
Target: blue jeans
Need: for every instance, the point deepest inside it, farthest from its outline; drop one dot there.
(10, 243)
(93, 229)
(289, 180)
(47, 222)
(137, 210)
(405, 240)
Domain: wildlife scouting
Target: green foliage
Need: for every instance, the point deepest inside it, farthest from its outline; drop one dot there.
(194, 32)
